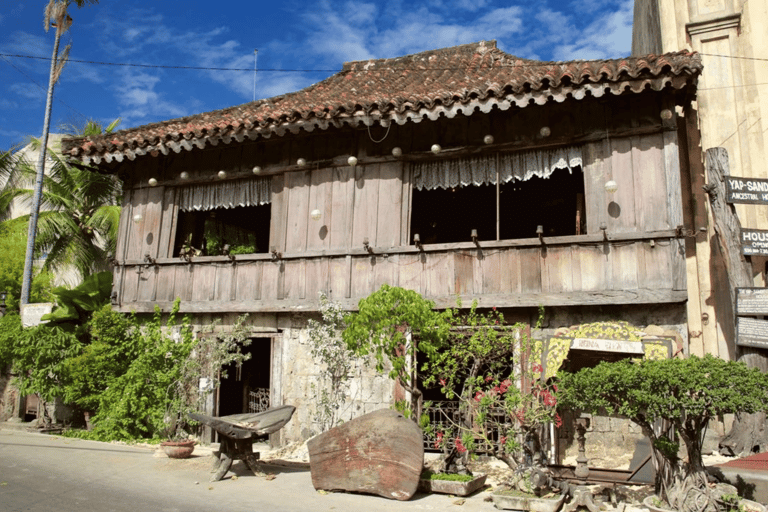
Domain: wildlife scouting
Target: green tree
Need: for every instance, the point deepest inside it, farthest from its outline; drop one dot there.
(13, 242)
(79, 224)
(395, 324)
(681, 395)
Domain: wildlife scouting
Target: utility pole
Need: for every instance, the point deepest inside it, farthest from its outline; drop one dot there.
(255, 67)
(57, 16)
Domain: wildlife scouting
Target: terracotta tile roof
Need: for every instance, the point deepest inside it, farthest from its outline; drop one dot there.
(445, 82)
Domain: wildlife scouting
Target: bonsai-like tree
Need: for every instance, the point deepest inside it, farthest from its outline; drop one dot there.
(394, 325)
(681, 396)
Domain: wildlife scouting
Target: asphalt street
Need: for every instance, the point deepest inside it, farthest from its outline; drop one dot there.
(50, 473)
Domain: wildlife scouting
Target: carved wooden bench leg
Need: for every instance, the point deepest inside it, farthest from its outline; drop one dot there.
(224, 464)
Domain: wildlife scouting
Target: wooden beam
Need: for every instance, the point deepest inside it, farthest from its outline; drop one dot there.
(591, 298)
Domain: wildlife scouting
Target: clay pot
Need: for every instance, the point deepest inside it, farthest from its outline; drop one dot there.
(179, 449)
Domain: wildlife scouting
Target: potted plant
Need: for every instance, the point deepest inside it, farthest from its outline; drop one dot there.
(450, 483)
(682, 396)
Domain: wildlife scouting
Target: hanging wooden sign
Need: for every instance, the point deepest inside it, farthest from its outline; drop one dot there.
(746, 190)
(751, 332)
(754, 242)
(752, 301)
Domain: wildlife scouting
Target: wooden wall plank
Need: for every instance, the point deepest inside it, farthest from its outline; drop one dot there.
(317, 278)
(320, 198)
(597, 170)
(249, 280)
(411, 271)
(390, 206)
(621, 205)
(462, 271)
(439, 275)
(224, 281)
(592, 264)
(624, 267)
(339, 278)
(650, 182)
(166, 277)
(407, 195)
(655, 264)
(385, 272)
(182, 282)
(124, 227)
(279, 214)
(270, 284)
(530, 270)
(130, 285)
(133, 250)
(361, 276)
(365, 217)
(297, 216)
(295, 279)
(153, 213)
(559, 270)
(342, 207)
(492, 272)
(673, 180)
(204, 282)
(168, 224)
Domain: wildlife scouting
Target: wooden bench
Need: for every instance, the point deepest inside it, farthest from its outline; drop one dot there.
(237, 433)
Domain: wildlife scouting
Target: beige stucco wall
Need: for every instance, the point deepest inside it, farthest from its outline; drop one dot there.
(732, 110)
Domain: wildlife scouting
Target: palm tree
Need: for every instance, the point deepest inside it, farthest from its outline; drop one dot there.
(78, 226)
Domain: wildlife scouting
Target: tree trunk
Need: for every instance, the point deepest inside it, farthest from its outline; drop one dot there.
(748, 431)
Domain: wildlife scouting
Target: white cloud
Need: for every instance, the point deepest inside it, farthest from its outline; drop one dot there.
(609, 36)
(139, 100)
(29, 91)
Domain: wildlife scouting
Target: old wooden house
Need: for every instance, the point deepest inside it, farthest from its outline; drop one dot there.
(460, 172)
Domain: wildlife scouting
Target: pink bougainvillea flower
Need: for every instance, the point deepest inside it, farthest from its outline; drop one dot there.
(459, 446)
(442, 382)
(479, 395)
(538, 368)
(558, 421)
(488, 378)
(503, 440)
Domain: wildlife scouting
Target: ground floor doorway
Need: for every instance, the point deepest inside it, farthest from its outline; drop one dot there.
(247, 386)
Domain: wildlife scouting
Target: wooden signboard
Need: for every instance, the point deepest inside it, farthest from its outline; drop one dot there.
(754, 242)
(751, 332)
(598, 345)
(752, 301)
(31, 314)
(746, 190)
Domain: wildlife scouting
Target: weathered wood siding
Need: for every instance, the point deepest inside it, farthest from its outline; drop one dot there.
(637, 259)
(625, 271)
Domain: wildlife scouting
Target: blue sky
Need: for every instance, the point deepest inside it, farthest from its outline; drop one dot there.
(315, 37)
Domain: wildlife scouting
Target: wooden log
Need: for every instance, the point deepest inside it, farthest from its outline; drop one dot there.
(379, 453)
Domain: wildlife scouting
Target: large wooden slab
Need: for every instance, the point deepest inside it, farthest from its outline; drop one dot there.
(379, 453)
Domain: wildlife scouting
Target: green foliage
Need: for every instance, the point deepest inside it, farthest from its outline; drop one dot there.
(13, 247)
(112, 349)
(10, 330)
(450, 477)
(384, 327)
(336, 363)
(39, 356)
(133, 404)
(76, 306)
(150, 373)
(686, 393)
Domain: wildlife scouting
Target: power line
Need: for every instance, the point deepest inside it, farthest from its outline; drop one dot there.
(40, 86)
(198, 68)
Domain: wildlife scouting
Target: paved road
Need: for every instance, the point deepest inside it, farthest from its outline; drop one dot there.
(50, 473)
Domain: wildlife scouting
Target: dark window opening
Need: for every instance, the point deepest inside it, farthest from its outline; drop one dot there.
(244, 229)
(251, 379)
(449, 215)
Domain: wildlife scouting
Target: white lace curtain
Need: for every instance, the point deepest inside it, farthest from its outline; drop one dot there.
(481, 170)
(225, 194)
